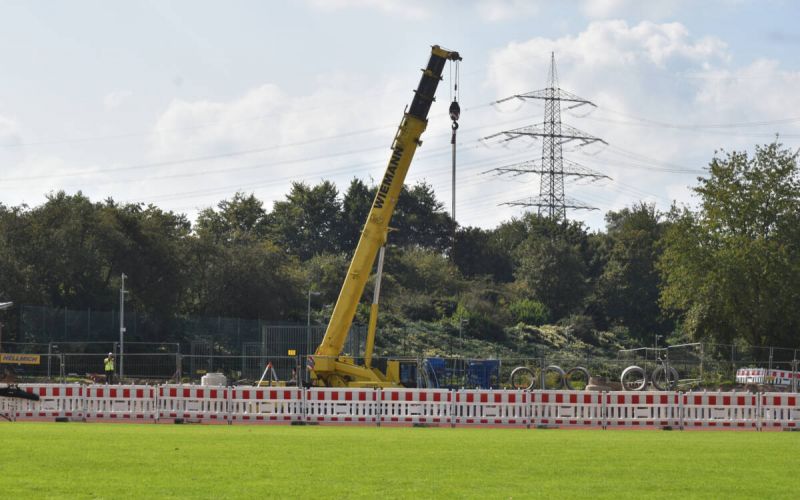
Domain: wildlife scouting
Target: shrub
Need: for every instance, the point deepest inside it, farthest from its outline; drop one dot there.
(529, 312)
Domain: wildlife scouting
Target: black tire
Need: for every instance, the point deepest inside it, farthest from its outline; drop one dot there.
(554, 371)
(570, 384)
(522, 377)
(633, 378)
(662, 382)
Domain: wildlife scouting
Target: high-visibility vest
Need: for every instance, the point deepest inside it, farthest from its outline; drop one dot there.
(109, 364)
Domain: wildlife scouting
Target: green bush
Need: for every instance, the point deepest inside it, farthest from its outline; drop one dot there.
(530, 312)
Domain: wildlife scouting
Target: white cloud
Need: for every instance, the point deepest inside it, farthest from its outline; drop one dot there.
(503, 10)
(605, 46)
(604, 9)
(32, 177)
(115, 99)
(411, 9)
(9, 132)
(657, 86)
(335, 133)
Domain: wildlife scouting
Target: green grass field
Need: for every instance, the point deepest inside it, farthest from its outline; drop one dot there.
(169, 461)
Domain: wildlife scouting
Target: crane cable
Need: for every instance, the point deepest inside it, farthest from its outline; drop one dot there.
(455, 114)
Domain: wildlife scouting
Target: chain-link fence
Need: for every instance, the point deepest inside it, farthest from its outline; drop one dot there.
(72, 345)
(553, 372)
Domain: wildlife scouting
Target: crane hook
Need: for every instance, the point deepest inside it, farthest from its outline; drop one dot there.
(455, 114)
(455, 111)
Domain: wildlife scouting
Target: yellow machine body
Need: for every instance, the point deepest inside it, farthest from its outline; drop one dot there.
(330, 368)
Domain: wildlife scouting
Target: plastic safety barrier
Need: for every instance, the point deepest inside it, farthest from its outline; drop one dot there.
(207, 404)
(343, 405)
(720, 409)
(121, 402)
(765, 376)
(266, 404)
(782, 377)
(780, 411)
(56, 401)
(751, 375)
(502, 407)
(202, 404)
(567, 408)
(654, 410)
(416, 406)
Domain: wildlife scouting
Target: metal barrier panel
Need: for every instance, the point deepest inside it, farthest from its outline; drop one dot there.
(258, 405)
(720, 409)
(191, 402)
(55, 401)
(653, 409)
(121, 402)
(342, 405)
(486, 407)
(567, 408)
(416, 406)
(780, 410)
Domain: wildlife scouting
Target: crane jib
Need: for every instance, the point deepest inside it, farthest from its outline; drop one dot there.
(380, 198)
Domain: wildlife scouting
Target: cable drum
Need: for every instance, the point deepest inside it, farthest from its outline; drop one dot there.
(522, 377)
(577, 378)
(633, 378)
(554, 377)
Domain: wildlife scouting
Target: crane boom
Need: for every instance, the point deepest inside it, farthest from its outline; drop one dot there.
(327, 369)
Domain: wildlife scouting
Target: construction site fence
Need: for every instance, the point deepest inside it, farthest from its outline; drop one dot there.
(166, 365)
(183, 403)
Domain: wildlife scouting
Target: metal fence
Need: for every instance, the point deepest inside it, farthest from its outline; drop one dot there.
(452, 372)
(73, 344)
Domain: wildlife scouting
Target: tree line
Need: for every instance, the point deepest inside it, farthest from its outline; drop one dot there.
(726, 270)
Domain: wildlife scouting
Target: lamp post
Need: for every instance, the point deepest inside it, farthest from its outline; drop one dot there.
(122, 293)
(308, 319)
(308, 322)
(461, 323)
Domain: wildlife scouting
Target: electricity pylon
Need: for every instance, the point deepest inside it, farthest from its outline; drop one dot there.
(552, 167)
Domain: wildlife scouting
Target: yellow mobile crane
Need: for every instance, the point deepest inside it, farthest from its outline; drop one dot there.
(327, 366)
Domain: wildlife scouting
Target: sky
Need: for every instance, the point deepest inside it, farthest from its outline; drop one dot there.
(184, 103)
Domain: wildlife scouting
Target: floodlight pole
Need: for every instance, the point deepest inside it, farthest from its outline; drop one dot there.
(122, 327)
(308, 321)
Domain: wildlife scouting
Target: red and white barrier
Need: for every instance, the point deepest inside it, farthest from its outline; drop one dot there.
(399, 406)
(342, 405)
(256, 405)
(720, 409)
(642, 409)
(567, 408)
(486, 407)
(780, 411)
(416, 406)
(55, 401)
(134, 403)
(193, 403)
(766, 376)
(783, 377)
(751, 375)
